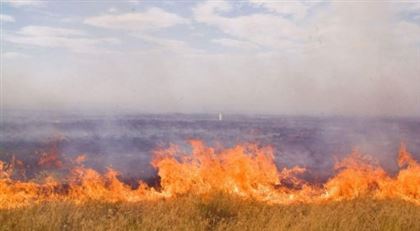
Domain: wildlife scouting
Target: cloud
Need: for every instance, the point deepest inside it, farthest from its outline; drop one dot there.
(263, 29)
(407, 6)
(347, 59)
(112, 10)
(294, 9)
(168, 45)
(6, 18)
(235, 43)
(53, 37)
(25, 3)
(49, 31)
(13, 55)
(70, 19)
(135, 2)
(151, 19)
(409, 33)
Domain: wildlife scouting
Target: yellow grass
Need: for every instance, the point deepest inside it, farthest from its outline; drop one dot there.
(215, 212)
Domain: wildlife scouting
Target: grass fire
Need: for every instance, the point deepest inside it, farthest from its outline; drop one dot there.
(209, 115)
(207, 187)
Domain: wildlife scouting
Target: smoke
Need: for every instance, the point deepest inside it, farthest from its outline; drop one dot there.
(350, 59)
(127, 142)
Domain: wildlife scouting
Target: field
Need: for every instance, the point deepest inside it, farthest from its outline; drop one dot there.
(215, 212)
(209, 115)
(276, 174)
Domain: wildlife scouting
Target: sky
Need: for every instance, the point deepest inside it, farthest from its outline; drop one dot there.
(255, 56)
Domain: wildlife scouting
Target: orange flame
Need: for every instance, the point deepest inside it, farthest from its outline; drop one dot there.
(246, 170)
(51, 158)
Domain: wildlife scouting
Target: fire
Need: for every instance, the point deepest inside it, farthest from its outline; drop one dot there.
(51, 158)
(248, 171)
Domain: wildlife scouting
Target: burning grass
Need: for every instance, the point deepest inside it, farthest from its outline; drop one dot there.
(247, 171)
(236, 188)
(218, 211)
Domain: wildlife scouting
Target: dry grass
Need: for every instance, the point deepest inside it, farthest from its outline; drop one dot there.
(216, 212)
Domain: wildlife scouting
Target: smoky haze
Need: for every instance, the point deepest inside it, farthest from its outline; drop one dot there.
(348, 59)
(127, 142)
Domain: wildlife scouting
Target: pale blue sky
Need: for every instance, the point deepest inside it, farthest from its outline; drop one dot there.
(256, 56)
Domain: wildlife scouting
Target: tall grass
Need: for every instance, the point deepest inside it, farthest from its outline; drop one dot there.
(214, 212)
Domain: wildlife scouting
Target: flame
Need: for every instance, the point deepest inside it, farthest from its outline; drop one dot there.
(248, 171)
(51, 158)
